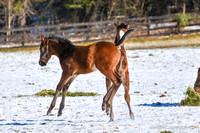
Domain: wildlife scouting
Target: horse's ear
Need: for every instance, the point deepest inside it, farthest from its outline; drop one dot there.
(127, 26)
(42, 38)
(116, 24)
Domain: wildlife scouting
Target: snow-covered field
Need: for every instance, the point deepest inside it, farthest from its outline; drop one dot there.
(153, 74)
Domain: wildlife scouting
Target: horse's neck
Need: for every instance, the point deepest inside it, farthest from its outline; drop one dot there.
(59, 48)
(117, 38)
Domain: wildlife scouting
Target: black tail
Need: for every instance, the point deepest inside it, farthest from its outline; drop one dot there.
(121, 41)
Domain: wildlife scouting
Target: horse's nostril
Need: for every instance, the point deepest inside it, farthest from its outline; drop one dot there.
(42, 63)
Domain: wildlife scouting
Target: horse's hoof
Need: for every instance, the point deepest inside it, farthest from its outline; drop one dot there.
(132, 116)
(59, 114)
(107, 110)
(111, 120)
(48, 112)
(103, 107)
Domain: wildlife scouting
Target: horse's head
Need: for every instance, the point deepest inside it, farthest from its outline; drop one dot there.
(44, 51)
(197, 83)
(121, 30)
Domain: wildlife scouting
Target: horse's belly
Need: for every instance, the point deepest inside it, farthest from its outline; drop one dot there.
(86, 70)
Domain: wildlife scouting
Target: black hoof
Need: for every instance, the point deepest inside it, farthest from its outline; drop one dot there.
(107, 111)
(59, 114)
(48, 112)
(103, 107)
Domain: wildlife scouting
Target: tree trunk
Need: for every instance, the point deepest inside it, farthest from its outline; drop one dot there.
(184, 6)
(94, 13)
(113, 3)
(196, 8)
(8, 19)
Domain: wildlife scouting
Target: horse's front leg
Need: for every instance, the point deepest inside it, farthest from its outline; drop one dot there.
(62, 104)
(61, 84)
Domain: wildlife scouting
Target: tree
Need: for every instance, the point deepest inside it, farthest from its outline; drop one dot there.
(16, 11)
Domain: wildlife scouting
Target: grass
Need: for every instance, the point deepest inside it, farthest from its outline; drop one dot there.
(192, 99)
(23, 96)
(150, 54)
(31, 48)
(165, 132)
(174, 37)
(136, 40)
(51, 92)
(16, 49)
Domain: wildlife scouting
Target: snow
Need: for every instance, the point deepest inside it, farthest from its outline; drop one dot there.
(153, 73)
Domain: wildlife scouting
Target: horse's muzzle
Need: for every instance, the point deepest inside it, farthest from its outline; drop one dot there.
(42, 63)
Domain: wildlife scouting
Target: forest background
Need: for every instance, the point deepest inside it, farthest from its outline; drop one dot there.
(23, 13)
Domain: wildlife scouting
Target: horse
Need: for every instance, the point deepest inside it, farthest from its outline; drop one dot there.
(122, 69)
(197, 83)
(74, 60)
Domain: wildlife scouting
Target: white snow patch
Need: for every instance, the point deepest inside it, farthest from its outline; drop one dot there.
(152, 73)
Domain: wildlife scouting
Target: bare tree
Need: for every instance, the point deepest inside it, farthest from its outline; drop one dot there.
(6, 4)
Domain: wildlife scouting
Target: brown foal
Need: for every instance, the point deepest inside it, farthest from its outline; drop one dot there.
(75, 60)
(122, 69)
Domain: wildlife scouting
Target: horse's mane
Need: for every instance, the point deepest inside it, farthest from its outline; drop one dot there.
(61, 39)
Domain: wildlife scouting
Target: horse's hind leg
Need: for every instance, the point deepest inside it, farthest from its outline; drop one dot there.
(61, 84)
(116, 82)
(115, 78)
(62, 104)
(121, 64)
(125, 82)
(108, 86)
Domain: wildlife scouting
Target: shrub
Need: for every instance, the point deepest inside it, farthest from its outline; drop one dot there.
(182, 19)
(193, 98)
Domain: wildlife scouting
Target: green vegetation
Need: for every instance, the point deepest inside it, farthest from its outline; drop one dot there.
(51, 92)
(31, 48)
(23, 96)
(16, 49)
(193, 98)
(45, 93)
(140, 40)
(182, 19)
(80, 4)
(70, 94)
(178, 37)
(166, 132)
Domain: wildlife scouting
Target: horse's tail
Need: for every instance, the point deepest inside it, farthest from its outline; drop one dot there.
(121, 41)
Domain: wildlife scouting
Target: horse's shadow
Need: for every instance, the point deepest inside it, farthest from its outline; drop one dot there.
(36, 122)
(159, 104)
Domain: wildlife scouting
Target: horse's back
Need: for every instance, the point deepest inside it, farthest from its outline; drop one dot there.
(107, 55)
(107, 48)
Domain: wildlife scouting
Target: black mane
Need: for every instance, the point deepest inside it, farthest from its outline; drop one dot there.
(61, 39)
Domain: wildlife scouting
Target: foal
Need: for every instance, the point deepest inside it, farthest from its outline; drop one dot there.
(75, 60)
(122, 69)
